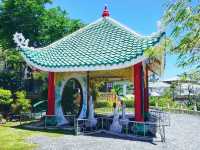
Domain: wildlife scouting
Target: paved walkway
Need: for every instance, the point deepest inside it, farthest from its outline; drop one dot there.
(183, 134)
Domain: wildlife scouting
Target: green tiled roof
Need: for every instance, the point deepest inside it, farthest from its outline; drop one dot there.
(104, 44)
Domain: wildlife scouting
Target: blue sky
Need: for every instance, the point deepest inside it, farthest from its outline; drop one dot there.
(139, 15)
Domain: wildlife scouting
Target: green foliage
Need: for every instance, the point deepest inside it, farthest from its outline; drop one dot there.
(21, 104)
(103, 104)
(129, 101)
(162, 102)
(71, 98)
(183, 17)
(5, 101)
(95, 86)
(5, 97)
(116, 89)
(35, 21)
(40, 75)
(153, 100)
(38, 23)
(8, 80)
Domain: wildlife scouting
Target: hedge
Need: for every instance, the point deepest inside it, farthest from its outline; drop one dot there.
(109, 104)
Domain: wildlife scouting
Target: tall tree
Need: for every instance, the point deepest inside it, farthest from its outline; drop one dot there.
(183, 19)
(35, 21)
(38, 23)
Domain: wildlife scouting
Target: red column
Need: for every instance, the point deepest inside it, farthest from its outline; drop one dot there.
(138, 87)
(146, 93)
(51, 94)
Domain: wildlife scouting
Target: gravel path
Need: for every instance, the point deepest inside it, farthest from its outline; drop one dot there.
(183, 134)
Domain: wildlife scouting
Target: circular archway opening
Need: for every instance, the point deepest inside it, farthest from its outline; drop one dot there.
(72, 98)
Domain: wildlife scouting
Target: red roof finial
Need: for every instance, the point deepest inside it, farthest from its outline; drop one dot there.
(105, 12)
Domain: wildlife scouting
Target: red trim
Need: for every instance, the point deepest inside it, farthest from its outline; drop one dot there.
(51, 94)
(146, 92)
(138, 92)
(106, 12)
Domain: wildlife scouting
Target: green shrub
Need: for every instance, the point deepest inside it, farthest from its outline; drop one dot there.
(103, 103)
(164, 102)
(153, 100)
(129, 101)
(21, 103)
(5, 101)
(5, 97)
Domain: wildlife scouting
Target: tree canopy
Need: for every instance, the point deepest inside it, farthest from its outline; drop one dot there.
(38, 23)
(183, 19)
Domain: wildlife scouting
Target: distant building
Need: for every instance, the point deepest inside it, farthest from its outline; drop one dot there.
(183, 89)
(157, 88)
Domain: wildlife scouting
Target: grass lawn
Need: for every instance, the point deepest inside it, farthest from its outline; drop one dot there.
(13, 138)
(12, 135)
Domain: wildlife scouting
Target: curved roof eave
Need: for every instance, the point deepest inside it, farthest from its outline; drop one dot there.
(29, 52)
(86, 68)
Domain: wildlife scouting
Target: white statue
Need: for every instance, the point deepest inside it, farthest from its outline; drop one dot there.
(115, 126)
(61, 120)
(20, 40)
(92, 121)
(124, 120)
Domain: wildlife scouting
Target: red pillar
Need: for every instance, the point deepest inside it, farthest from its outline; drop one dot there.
(138, 87)
(146, 94)
(51, 94)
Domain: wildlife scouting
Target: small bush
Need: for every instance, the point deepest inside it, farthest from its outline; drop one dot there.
(21, 103)
(5, 101)
(103, 103)
(164, 102)
(129, 101)
(153, 100)
(5, 97)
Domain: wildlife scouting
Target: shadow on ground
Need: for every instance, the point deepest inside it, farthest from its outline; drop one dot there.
(108, 135)
(55, 130)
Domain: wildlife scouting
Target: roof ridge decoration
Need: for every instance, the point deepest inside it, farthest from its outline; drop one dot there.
(152, 35)
(20, 40)
(106, 12)
(102, 45)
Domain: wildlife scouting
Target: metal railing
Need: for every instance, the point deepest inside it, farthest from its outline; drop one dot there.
(26, 117)
(133, 128)
(82, 126)
(156, 124)
(162, 117)
(50, 121)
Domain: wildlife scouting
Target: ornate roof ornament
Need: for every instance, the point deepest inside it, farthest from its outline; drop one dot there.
(160, 26)
(106, 12)
(20, 40)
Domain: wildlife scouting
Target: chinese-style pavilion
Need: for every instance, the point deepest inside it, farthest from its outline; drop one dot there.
(102, 49)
